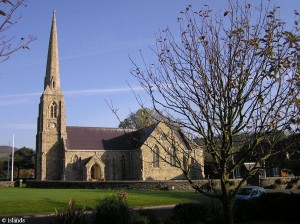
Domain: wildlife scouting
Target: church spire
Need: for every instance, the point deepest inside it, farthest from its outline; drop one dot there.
(52, 78)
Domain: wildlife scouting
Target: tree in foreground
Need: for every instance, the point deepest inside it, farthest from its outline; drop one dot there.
(10, 44)
(228, 78)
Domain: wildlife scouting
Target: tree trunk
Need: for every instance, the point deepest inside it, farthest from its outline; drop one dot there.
(228, 210)
(227, 200)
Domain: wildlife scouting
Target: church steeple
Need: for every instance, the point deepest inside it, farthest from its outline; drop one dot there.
(51, 126)
(52, 78)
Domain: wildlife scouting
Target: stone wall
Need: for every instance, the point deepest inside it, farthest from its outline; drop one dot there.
(7, 183)
(280, 182)
(161, 142)
(146, 185)
(110, 165)
(125, 185)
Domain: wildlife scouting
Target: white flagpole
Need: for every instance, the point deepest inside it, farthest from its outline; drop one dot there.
(12, 161)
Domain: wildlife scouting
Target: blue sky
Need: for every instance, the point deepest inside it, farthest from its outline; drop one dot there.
(95, 41)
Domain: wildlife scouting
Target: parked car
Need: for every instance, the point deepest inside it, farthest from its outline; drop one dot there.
(249, 192)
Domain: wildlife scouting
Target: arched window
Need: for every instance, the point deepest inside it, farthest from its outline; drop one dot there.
(75, 162)
(53, 110)
(123, 166)
(155, 156)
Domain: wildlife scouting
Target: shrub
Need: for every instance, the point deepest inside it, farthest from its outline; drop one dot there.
(122, 195)
(112, 210)
(151, 216)
(279, 206)
(213, 211)
(209, 211)
(187, 213)
(70, 215)
(293, 184)
(278, 181)
(245, 209)
(295, 180)
(136, 218)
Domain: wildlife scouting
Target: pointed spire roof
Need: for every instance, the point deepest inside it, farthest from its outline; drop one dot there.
(52, 78)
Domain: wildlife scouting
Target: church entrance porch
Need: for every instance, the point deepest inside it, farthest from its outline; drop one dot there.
(94, 169)
(96, 172)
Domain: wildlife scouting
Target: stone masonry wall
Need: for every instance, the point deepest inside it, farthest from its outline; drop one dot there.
(124, 185)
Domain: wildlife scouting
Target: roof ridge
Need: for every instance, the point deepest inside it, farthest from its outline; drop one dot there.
(113, 128)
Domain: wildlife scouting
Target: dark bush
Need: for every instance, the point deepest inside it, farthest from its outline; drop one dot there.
(209, 211)
(112, 210)
(279, 206)
(188, 213)
(151, 216)
(279, 181)
(245, 209)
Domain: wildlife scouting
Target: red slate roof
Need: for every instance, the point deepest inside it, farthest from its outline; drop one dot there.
(91, 138)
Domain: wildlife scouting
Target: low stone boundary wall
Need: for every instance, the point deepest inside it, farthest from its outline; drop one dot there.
(127, 185)
(7, 183)
(281, 182)
(151, 185)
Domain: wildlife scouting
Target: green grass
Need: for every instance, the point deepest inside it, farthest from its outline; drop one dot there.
(31, 200)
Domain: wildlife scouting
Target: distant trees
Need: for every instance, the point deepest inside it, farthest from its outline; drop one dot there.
(23, 159)
(10, 44)
(3, 171)
(228, 75)
(141, 118)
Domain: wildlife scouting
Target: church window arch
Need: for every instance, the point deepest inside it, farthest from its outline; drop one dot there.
(53, 110)
(75, 163)
(155, 152)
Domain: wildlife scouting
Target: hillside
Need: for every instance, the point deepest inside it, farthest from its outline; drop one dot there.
(4, 149)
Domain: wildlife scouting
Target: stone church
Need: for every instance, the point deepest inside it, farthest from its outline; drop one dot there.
(96, 153)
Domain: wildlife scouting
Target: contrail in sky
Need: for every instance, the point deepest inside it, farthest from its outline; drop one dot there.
(26, 97)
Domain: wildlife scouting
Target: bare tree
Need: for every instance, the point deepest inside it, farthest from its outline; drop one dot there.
(227, 76)
(11, 44)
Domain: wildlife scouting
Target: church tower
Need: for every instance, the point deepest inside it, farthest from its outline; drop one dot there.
(51, 124)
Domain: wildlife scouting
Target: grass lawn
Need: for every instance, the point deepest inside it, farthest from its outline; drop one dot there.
(32, 200)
